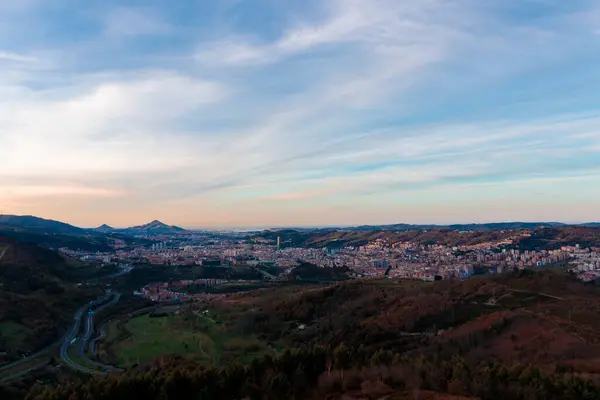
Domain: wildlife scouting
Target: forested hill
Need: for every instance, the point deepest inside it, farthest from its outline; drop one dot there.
(526, 335)
(550, 237)
(42, 225)
(38, 293)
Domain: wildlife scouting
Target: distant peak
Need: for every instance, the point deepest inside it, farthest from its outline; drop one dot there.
(157, 222)
(157, 226)
(104, 228)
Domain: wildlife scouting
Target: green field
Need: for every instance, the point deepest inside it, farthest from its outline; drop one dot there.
(193, 336)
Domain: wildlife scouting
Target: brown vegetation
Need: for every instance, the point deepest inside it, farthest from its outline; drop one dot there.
(520, 336)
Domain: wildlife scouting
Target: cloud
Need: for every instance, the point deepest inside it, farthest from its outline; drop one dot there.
(385, 26)
(23, 192)
(366, 105)
(15, 57)
(112, 126)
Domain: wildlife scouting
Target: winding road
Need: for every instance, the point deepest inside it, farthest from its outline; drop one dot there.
(89, 331)
(95, 340)
(86, 313)
(70, 337)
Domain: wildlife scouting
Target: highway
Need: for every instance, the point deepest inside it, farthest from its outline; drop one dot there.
(83, 314)
(96, 339)
(89, 331)
(266, 274)
(61, 341)
(31, 357)
(19, 375)
(3, 253)
(65, 342)
(124, 270)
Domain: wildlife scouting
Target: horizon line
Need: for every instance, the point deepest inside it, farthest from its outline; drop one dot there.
(264, 227)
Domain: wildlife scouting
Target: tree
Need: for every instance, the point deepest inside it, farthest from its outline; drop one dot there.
(342, 358)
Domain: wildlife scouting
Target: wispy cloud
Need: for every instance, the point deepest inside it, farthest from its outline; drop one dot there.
(15, 57)
(120, 126)
(345, 105)
(383, 26)
(46, 192)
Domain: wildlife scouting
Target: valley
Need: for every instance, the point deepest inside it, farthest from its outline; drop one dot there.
(527, 318)
(210, 310)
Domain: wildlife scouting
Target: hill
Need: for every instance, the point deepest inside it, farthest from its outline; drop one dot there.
(339, 239)
(32, 223)
(38, 237)
(518, 336)
(459, 227)
(104, 229)
(543, 238)
(38, 295)
(553, 238)
(41, 231)
(51, 234)
(153, 228)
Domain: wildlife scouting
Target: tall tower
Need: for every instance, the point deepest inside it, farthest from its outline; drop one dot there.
(278, 242)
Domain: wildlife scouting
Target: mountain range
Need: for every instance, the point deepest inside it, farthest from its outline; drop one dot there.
(31, 223)
(458, 227)
(463, 227)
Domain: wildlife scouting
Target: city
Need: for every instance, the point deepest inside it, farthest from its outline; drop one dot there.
(377, 259)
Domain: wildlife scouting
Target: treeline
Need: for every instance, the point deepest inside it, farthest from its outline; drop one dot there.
(325, 373)
(358, 312)
(313, 273)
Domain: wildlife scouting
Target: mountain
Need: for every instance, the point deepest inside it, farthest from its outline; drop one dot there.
(29, 222)
(51, 234)
(155, 227)
(104, 229)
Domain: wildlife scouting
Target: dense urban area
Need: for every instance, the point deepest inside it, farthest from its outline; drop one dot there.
(379, 258)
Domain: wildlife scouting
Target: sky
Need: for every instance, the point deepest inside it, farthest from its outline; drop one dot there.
(231, 113)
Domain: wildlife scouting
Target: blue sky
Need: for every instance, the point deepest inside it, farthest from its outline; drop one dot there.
(272, 113)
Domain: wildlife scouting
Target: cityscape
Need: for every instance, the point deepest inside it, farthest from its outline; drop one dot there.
(376, 259)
